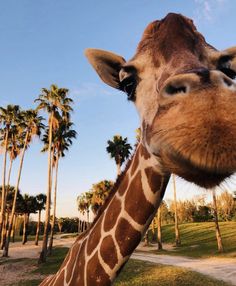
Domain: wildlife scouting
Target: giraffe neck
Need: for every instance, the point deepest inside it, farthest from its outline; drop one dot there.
(96, 257)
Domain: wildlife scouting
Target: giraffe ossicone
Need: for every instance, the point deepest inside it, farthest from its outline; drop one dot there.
(185, 95)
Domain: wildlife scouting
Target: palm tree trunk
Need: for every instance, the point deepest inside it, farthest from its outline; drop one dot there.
(159, 234)
(6, 249)
(87, 216)
(4, 230)
(3, 205)
(54, 206)
(25, 228)
(146, 239)
(118, 169)
(38, 229)
(60, 227)
(43, 253)
(218, 234)
(13, 229)
(177, 234)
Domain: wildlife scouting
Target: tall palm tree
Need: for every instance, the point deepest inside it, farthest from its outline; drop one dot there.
(31, 125)
(40, 205)
(8, 117)
(13, 149)
(217, 228)
(119, 149)
(57, 104)
(62, 140)
(177, 234)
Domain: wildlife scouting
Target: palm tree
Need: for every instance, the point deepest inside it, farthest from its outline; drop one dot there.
(177, 234)
(31, 125)
(13, 149)
(100, 192)
(8, 117)
(119, 149)
(57, 104)
(40, 205)
(84, 202)
(217, 228)
(60, 222)
(28, 205)
(62, 140)
(9, 202)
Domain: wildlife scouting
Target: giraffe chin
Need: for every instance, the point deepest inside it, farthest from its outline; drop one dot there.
(206, 177)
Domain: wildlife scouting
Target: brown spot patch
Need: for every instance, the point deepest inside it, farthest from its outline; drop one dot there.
(108, 251)
(96, 275)
(94, 236)
(144, 153)
(112, 214)
(135, 202)
(127, 237)
(154, 179)
(78, 274)
(123, 186)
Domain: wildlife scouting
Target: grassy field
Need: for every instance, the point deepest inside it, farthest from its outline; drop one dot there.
(136, 272)
(198, 239)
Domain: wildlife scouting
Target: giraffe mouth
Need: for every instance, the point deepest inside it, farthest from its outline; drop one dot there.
(202, 175)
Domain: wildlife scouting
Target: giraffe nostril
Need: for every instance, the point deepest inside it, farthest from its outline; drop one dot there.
(173, 90)
(227, 81)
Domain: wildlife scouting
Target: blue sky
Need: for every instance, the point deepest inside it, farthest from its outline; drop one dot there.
(42, 42)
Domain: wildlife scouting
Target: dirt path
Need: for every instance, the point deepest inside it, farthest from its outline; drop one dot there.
(15, 271)
(29, 250)
(219, 268)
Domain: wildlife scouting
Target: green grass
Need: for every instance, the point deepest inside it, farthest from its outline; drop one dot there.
(134, 273)
(140, 273)
(53, 262)
(198, 239)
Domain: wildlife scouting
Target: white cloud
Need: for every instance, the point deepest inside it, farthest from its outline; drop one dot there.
(207, 9)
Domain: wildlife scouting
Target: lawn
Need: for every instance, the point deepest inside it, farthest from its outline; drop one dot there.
(198, 239)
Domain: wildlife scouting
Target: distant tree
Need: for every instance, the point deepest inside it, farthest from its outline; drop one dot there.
(226, 206)
(119, 149)
(100, 192)
(40, 205)
(28, 205)
(60, 223)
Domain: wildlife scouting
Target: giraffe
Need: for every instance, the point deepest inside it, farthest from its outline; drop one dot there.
(185, 96)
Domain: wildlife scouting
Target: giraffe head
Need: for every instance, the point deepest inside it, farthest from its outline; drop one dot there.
(185, 95)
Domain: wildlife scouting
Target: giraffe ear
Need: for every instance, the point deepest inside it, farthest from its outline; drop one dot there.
(107, 65)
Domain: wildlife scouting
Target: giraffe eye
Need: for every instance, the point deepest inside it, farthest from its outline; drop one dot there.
(128, 85)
